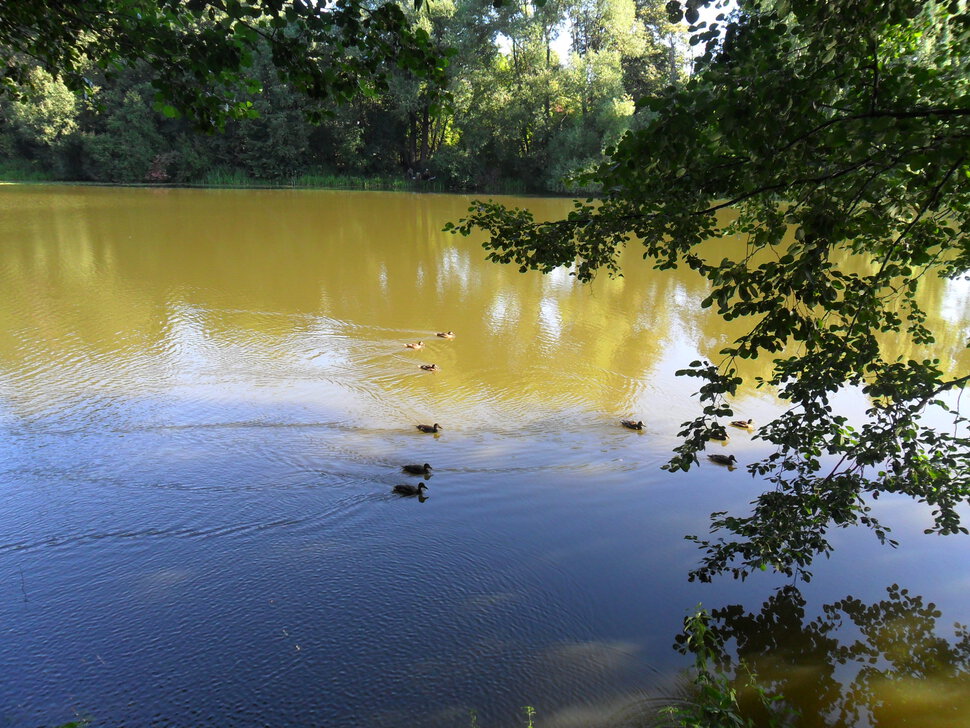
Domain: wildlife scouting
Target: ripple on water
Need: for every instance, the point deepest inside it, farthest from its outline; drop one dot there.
(200, 433)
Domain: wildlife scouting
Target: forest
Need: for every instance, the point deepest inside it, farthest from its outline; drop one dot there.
(533, 92)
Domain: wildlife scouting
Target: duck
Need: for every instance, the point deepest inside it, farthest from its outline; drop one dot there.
(424, 470)
(632, 425)
(720, 436)
(430, 428)
(418, 345)
(728, 460)
(445, 334)
(430, 367)
(409, 490)
(743, 424)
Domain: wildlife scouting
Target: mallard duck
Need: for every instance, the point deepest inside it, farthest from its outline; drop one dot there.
(430, 367)
(419, 345)
(445, 334)
(728, 460)
(424, 470)
(430, 428)
(743, 424)
(720, 436)
(632, 425)
(407, 489)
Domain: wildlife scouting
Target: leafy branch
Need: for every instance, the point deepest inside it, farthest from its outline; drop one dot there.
(882, 184)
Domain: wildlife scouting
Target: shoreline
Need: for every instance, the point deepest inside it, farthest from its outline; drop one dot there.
(353, 184)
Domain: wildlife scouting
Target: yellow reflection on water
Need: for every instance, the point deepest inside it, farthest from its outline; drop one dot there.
(125, 290)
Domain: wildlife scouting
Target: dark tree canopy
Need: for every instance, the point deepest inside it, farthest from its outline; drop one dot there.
(838, 133)
(201, 51)
(475, 93)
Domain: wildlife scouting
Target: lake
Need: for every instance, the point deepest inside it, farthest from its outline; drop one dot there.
(206, 398)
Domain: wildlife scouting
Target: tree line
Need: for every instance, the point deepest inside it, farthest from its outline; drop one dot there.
(532, 92)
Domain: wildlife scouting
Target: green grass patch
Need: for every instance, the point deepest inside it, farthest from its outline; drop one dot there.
(235, 178)
(355, 182)
(18, 170)
(224, 177)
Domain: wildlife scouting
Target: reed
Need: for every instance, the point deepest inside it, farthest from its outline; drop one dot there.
(19, 171)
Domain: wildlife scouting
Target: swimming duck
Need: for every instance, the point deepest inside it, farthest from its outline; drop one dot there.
(743, 424)
(419, 345)
(430, 428)
(407, 489)
(445, 334)
(430, 367)
(424, 470)
(728, 460)
(720, 436)
(632, 425)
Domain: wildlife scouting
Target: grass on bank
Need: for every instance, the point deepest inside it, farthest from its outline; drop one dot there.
(21, 170)
(237, 179)
(18, 171)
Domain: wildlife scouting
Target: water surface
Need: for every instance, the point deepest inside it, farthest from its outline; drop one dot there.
(205, 400)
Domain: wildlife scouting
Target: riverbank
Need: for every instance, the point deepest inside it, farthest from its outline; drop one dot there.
(10, 174)
(13, 173)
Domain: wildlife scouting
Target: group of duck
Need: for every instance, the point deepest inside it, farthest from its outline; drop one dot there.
(420, 345)
(424, 470)
(406, 489)
(719, 435)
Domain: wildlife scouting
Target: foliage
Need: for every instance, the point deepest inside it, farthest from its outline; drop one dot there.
(18, 171)
(839, 135)
(129, 143)
(530, 714)
(506, 112)
(275, 141)
(201, 52)
(714, 703)
(49, 115)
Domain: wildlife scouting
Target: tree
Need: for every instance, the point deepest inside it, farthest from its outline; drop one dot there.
(661, 58)
(418, 108)
(129, 142)
(275, 144)
(839, 134)
(201, 51)
(38, 129)
(49, 115)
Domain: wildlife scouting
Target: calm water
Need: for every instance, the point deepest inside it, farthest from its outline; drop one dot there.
(205, 400)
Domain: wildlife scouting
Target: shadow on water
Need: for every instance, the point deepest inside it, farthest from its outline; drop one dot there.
(885, 663)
